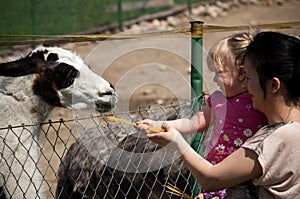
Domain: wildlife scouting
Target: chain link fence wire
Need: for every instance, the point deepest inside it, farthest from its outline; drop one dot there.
(93, 158)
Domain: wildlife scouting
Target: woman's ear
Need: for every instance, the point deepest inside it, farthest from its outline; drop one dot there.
(242, 73)
(275, 84)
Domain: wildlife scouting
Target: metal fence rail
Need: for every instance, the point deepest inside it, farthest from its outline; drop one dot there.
(93, 158)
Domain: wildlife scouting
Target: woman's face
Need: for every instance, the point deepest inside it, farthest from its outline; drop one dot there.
(254, 88)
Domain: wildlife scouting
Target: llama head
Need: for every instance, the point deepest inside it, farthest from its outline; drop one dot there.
(67, 81)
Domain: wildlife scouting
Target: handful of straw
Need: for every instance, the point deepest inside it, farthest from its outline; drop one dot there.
(114, 119)
(176, 191)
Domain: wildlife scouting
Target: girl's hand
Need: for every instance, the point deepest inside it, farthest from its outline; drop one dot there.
(147, 122)
(143, 125)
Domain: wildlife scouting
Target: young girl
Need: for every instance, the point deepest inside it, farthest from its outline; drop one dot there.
(271, 156)
(230, 109)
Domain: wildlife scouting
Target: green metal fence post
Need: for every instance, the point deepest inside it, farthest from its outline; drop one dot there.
(120, 15)
(33, 21)
(196, 83)
(189, 3)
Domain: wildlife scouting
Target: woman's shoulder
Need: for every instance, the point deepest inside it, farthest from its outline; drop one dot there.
(277, 128)
(285, 128)
(295, 125)
(278, 132)
(292, 128)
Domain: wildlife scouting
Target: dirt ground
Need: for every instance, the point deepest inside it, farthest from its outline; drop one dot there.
(156, 70)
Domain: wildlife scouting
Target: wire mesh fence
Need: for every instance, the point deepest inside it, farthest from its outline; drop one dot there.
(92, 158)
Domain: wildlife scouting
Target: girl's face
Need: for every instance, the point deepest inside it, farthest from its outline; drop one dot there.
(228, 82)
(254, 88)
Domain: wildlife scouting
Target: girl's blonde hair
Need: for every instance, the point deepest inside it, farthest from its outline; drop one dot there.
(229, 52)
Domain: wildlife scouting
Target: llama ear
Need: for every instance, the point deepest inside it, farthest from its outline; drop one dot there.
(63, 75)
(37, 55)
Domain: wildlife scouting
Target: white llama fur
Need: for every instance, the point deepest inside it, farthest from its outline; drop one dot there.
(20, 176)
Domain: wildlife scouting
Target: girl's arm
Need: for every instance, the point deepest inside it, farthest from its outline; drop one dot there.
(199, 122)
(238, 167)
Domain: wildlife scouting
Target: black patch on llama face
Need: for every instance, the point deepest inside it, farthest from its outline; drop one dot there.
(63, 75)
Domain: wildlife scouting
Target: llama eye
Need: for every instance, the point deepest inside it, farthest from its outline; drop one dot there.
(52, 57)
(69, 73)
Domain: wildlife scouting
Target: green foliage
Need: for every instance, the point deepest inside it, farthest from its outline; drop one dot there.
(63, 17)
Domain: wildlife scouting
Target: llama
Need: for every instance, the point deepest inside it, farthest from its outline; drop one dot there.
(29, 89)
(94, 165)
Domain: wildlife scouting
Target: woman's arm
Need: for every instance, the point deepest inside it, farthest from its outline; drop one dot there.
(238, 167)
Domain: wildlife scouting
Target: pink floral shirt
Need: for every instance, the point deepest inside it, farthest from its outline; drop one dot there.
(235, 121)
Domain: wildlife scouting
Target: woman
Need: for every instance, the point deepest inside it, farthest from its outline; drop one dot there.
(231, 100)
(271, 156)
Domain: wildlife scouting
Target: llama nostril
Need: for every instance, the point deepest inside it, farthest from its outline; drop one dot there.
(111, 86)
(105, 93)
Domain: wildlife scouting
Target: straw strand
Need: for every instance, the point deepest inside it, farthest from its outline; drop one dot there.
(114, 119)
(176, 191)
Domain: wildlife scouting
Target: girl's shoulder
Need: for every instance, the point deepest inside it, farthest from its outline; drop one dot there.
(241, 100)
(217, 93)
(242, 96)
(216, 97)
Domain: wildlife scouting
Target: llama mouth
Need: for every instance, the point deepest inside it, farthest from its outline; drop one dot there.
(105, 106)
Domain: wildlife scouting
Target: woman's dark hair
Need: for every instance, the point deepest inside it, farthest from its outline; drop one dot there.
(276, 55)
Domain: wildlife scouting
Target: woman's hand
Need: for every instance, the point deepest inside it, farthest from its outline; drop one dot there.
(171, 139)
(165, 138)
(200, 196)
